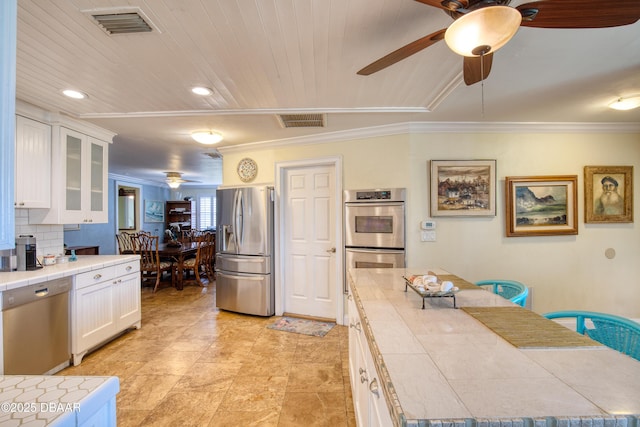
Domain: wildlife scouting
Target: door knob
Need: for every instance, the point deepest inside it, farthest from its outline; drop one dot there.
(331, 251)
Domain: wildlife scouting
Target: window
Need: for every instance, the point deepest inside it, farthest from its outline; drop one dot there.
(206, 212)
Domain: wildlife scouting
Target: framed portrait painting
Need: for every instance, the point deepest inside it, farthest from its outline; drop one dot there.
(608, 194)
(541, 205)
(153, 211)
(463, 187)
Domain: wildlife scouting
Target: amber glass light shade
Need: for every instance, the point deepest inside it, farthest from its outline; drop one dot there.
(483, 30)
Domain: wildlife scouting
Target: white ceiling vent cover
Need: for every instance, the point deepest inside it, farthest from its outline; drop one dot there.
(302, 120)
(122, 20)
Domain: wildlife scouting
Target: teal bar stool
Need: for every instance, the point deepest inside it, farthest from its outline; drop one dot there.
(615, 332)
(514, 291)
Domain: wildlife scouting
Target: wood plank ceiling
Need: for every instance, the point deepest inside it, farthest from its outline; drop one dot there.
(266, 57)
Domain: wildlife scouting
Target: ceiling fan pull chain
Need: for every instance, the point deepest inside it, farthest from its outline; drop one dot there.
(482, 81)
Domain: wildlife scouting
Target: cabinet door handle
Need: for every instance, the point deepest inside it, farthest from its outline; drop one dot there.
(350, 297)
(373, 387)
(129, 268)
(97, 276)
(356, 326)
(363, 379)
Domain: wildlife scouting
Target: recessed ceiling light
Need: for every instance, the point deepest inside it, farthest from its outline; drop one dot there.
(75, 94)
(624, 104)
(201, 90)
(207, 137)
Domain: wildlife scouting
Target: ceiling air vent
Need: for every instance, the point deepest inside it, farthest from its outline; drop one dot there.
(302, 120)
(122, 20)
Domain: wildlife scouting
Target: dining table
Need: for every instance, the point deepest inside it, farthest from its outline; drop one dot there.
(178, 253)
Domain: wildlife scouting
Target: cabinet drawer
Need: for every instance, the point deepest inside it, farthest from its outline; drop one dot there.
(127, 268)
(95, 276)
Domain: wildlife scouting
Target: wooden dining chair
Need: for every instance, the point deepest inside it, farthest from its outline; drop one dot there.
(127, 242)
(151, 267)
(202, 263)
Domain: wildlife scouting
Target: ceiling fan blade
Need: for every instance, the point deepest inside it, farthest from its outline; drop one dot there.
(403, 52)
(436, 3)
(475, 70)
(579, 13)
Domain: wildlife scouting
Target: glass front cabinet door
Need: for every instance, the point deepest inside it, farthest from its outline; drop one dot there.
(85, 178)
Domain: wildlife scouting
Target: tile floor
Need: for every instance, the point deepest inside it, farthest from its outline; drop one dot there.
(193, 365)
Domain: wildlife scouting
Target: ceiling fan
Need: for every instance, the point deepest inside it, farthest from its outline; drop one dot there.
(174, 179)
(478, 55)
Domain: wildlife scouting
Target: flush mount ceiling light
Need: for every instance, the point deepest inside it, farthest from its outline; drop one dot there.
(75, 94)
(624, 104)
(207, 137)
(201, 90)
(483, 30)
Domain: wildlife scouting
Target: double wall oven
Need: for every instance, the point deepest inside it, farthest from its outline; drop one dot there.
(374, 228)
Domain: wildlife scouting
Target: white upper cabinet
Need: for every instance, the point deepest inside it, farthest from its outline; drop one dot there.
(79, 183)
(33, 164)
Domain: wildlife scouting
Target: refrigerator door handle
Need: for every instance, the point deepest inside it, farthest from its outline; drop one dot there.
(240, 218)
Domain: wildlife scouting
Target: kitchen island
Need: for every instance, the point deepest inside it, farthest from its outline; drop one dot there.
(441, 365)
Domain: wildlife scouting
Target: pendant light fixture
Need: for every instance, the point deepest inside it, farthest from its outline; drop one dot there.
(483, 30)
(625, 104)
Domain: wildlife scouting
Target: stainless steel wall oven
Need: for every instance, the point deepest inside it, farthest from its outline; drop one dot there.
(374, 228)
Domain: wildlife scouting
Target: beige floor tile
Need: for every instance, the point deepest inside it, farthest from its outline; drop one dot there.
(316, 377)
(255, 394)
(145, 391)
(185, 409)
(192, 364)
(313, 409)
(245, 419)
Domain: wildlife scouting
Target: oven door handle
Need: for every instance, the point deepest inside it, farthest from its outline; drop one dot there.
(373, 204)
(375, 251)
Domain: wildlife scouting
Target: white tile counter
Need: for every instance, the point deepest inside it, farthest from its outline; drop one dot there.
(16, 279)
(58, 401)
(442, 366)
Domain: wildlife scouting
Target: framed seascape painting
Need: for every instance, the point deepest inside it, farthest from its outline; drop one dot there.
(463, 187)
(608, 194)
(153, 211)
(541, 205)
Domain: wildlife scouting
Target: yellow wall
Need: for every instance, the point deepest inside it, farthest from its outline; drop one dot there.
(564, 272)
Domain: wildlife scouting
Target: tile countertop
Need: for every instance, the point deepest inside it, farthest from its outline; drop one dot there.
(27, 400)
(442, 364)
(17, 279)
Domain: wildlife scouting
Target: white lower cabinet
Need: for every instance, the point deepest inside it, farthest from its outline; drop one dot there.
(368, 399)
(104, 303)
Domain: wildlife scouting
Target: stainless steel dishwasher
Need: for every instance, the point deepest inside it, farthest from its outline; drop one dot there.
(35, 328)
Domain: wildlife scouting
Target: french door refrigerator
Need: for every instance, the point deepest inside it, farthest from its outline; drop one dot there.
(244, 250)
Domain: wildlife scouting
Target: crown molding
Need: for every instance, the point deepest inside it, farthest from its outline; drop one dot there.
(441, 127)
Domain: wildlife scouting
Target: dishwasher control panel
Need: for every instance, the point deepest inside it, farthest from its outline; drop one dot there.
(26, 294)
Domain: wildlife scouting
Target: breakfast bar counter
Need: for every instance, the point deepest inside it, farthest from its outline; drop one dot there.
(441, 365)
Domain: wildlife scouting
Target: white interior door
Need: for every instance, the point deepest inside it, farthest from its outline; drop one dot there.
(308, 232)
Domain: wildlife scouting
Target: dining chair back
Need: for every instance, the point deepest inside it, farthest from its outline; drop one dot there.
(512, 290)
(203, 261)
(151, 267)
(616, 332)
(127, 242)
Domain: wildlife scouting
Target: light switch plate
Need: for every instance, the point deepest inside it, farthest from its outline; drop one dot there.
(428, 235)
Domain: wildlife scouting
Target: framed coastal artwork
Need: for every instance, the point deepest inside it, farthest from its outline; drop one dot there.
(153, 211)
(541, 205)
(463, 187)
(608, 194)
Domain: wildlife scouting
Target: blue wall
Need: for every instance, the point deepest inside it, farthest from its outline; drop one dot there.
(104, 235)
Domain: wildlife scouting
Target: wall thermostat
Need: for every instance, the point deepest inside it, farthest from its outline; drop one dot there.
(428, 225)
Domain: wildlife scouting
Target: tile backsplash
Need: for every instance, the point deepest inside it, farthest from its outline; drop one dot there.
(49, 238)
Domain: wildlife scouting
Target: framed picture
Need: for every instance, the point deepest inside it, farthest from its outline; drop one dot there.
(153, 211)
(608, 194)
(463, 187)
(541, 205)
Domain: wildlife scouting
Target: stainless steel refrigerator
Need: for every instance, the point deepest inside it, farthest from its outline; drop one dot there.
(244, 250)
